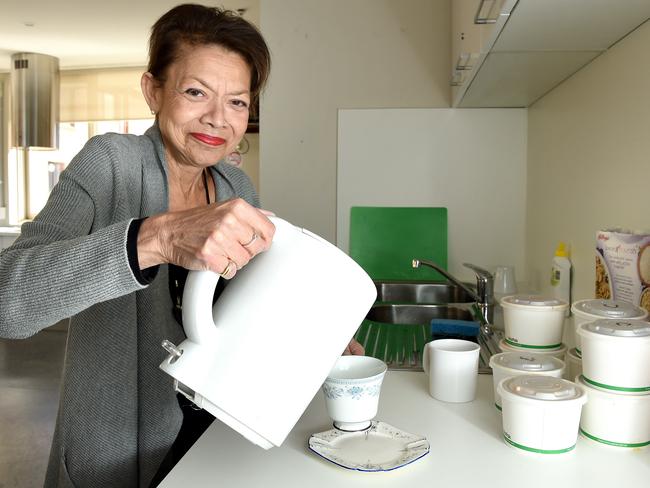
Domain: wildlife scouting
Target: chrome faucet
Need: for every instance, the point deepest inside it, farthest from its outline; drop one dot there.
(484, 294)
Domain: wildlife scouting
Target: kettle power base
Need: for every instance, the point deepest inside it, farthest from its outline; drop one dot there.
(219, 414)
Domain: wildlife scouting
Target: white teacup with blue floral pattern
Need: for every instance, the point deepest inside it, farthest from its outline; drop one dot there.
(352, 391)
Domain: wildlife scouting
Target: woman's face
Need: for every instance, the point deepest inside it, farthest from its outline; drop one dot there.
(202, 107)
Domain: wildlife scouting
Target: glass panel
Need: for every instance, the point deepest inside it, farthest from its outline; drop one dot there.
(102, 94)
(44, 167)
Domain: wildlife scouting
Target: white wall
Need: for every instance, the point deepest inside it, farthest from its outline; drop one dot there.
(251, 160)
(337, 54)
(473, 162)
(589, 159)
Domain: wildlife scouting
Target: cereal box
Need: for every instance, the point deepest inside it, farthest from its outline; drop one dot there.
(623, 267)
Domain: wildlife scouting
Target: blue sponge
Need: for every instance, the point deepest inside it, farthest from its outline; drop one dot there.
(453, 328)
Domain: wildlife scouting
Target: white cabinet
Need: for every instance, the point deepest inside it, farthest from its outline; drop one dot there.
(474, 27)
(533, 45)
(465, 34)
(473, 23)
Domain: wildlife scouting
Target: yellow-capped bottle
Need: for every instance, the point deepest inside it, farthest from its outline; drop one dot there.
(561, 274)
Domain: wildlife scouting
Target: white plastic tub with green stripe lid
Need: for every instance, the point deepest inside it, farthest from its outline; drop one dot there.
(616, 355)
(541, 414)
(615, 419)
(507, 364)
(590, 310)
(533, 322)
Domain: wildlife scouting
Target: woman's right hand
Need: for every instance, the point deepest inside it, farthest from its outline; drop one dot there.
(219, 237)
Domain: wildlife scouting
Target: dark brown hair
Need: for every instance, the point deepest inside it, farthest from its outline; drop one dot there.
(191, 24)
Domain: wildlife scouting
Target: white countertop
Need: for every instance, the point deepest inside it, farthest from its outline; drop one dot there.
(466, 450)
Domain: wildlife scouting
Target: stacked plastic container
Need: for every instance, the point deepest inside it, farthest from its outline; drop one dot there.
(508, 364)
(533, 324)
(616, 376)
(540, 411)
(590, 310)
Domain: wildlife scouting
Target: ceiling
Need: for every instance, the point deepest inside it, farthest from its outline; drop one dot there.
(89, 33)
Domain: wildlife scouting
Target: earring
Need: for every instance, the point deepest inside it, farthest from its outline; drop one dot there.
(153, 112)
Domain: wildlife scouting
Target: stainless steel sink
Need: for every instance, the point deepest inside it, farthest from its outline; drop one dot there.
(435, 292)
(397, 332)
(409, 314)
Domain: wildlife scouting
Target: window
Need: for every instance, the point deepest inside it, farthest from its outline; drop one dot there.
(44, 167)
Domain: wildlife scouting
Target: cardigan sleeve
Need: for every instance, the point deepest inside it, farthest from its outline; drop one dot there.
(144, 276)
(73, 254)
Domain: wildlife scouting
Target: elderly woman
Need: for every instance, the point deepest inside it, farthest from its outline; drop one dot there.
(129, 217)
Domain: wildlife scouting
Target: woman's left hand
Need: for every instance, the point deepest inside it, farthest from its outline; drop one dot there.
(354, 348)
(221, 237)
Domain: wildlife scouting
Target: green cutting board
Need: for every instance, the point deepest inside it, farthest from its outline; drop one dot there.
(384, 241)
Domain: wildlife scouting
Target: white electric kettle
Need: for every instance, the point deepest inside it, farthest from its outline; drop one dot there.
(257, 358)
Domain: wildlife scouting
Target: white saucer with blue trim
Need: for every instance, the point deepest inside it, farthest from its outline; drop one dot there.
(381, 447)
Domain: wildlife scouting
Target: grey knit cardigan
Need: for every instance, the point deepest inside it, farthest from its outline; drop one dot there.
(118, 413)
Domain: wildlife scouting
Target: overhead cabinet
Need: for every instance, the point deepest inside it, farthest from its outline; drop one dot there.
(475, 26)
(509, 53)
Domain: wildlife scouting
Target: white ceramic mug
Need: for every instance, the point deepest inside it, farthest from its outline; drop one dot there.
(452, 367)
(352, 390)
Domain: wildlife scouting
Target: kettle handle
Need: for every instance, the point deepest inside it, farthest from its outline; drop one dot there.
(198, 320)
(197, 306)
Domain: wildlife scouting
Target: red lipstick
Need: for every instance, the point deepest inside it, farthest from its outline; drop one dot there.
(210, 140)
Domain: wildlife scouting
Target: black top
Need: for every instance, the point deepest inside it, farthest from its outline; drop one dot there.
(177, 274)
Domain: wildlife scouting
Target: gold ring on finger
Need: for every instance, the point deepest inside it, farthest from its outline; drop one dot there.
(227, 269)
(253, 239)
